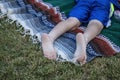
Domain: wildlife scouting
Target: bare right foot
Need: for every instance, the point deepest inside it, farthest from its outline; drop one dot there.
(80, 53)
(47, 46)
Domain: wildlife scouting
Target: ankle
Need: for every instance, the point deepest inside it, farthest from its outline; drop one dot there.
(51, 38)
(86, 40)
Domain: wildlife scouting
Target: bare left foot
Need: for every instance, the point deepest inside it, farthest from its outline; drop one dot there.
(80, 53)
(47, 46)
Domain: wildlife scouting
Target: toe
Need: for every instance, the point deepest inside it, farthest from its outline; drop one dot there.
(81, 61)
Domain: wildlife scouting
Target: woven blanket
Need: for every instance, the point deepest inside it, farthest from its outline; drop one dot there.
(40, 16)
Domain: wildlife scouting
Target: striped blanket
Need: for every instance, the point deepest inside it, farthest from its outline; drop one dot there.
(40, 16)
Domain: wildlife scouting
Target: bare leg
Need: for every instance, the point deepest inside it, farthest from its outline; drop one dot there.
(94, 28)
(61, 28)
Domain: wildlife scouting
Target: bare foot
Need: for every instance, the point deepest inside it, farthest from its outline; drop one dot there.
(80, 53)
(47, 46)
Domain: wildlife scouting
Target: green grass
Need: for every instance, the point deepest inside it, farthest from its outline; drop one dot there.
(20, 59)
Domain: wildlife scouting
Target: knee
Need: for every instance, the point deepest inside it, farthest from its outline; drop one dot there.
(74, 21)
(96, 23)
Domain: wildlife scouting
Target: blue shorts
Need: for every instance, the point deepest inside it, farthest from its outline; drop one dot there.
(86, 10)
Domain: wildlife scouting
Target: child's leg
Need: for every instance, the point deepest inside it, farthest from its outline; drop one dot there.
(94, 28)
(59, 29)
